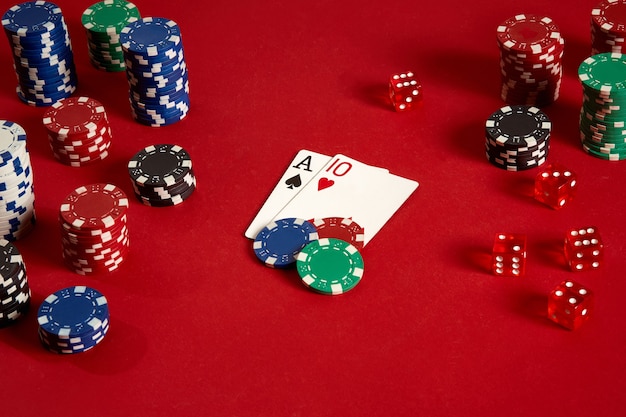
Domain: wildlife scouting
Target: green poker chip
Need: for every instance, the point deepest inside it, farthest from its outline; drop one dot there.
(330, 266)
(109, 17)
(602, 120)
(604, 73)
(103, 23)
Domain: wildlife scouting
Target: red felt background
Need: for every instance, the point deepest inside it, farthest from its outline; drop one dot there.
(200, 327)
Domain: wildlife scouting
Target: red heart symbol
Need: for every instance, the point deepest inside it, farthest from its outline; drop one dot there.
(324, 183)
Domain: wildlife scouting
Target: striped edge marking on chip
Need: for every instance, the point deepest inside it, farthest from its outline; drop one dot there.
(604, 72)
(150, 36)
(528, 34)
(94, 206)
(10, 259)
(74, 116)
(159, 165)
(340, 228)
(12, 140)
(330, 266)
(278, 243)
(610, 16)
(73, 312)
(109, 16)
(518, 126)
(31, 18)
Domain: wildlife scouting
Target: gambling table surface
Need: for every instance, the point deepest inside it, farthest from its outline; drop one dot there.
(200, 327)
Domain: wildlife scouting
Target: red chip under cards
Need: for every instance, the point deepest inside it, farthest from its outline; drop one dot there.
(340, 228)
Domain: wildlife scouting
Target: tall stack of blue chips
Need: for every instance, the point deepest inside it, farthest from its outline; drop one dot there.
(156, 71)
(42, 52)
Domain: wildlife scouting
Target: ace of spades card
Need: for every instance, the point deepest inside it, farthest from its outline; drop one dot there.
(300, 171)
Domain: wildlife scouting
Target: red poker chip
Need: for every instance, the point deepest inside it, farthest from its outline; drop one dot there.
(340, 228)
(82, 268)
(610, 16)
(98, 259)
(74, 115)
(94, 235)
(531, 48)
(78, 131)
(95, 247)
(82, 157)
(608, 27)
(528, 34)
(94, 206)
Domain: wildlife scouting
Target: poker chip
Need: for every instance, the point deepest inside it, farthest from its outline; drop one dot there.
(603, 111)
(340, 228)
(330, 266)
(14, 289)
(156, 71)
(278, 243)
(73, 320)
(94, 235)
(517, 137)
(78, 131)
(103, 23)
(531, 48)
(42, 52)
(608, 27)
(17, 198)
(162, 175)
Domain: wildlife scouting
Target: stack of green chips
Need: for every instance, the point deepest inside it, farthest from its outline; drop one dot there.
(103, 22)
(603, 112)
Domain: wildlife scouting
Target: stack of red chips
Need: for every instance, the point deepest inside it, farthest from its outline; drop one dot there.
(608, 27)
(531, 48)
(78, 131)
(93, 228)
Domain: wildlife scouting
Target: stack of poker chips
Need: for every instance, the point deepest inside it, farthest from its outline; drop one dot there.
(42, 52)
(162, 175)
(94, 235)
(103, 23)
(78, 131)
(531, 48)
(156, 71)
(322, 250)
(17, 197)
(603, 111)
(517, 137)
(14, 290)
(73, 320)
(608, 27)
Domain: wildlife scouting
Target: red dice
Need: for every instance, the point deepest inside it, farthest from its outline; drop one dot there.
(555, 186)
(509, 254)
(583, 249)
(570, 304)
(404, 91)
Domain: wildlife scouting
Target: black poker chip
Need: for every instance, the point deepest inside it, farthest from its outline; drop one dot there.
(162, 175)
(14, 289)
(517, 137)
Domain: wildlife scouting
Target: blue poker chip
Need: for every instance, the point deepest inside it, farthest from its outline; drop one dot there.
(42, 52)
(35, 17)
(73, 312)
(278, 243)
(156, 71)
(150, 36)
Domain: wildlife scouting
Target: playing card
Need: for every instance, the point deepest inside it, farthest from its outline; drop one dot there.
(346, 187)
(300, 171)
